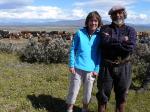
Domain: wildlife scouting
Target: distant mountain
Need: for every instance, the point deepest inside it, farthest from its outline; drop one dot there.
(61, 23)
(142, 27)
(81, 22)
(76, 23)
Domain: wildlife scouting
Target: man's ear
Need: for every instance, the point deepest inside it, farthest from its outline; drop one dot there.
(111, 17)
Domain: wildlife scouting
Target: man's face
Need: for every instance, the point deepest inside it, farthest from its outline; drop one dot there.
(118, 17)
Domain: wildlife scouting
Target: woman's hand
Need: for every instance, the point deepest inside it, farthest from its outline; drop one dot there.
(72, 70)
(95, 74)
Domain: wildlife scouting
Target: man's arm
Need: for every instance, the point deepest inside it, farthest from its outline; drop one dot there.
(129, 44)
(107, 39)
(125, 43)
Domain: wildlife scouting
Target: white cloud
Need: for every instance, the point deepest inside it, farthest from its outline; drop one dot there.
(103, 3)
(103, 6)
(143, 16)
(138, 17)
(78, 13)
(15, 1)
(42, 12)
(24, 10)
(32, 12)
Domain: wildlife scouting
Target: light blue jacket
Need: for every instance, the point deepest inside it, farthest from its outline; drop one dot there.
(85, 52)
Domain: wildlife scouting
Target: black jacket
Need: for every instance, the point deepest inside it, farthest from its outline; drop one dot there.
(113, 44)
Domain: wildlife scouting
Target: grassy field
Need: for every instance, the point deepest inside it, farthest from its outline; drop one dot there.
(37, 87)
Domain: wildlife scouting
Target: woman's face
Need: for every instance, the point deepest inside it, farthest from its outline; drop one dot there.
(93, 24)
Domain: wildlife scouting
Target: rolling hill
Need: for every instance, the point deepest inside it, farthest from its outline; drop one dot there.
(65, 23)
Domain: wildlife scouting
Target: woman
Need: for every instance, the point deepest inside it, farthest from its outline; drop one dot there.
(84, 60)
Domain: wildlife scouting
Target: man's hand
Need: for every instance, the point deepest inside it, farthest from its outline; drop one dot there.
(126, 38)
(95, 74)
(72, 70)
(106, 34)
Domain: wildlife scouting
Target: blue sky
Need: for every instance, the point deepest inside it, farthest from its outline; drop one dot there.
(53, 10)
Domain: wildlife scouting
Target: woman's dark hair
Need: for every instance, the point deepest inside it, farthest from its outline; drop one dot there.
(91, 15)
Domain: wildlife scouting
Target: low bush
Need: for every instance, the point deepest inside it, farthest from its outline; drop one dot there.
(56, 50)
(141, 62)
(52, 50)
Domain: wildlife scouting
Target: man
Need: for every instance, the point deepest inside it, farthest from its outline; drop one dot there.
(117, 42)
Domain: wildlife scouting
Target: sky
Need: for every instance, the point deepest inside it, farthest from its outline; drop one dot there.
(138, 11)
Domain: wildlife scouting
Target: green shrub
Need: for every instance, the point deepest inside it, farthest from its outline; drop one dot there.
(9, 47)
(55, 50)
(141, 62)
(51, 50)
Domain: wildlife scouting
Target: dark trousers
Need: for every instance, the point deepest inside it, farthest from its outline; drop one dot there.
(117, 76)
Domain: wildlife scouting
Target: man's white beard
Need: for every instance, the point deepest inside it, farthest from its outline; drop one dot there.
(119, 22)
